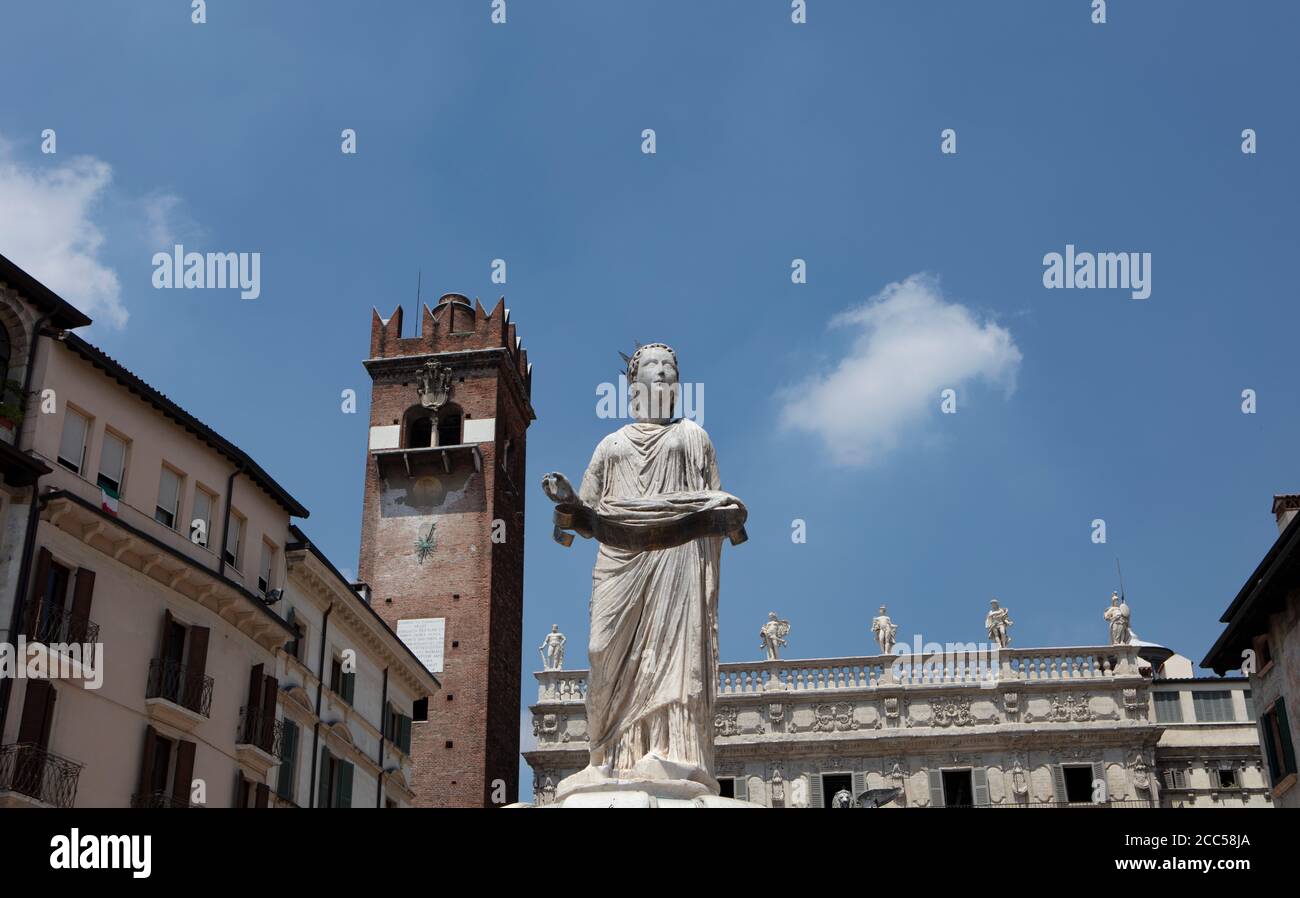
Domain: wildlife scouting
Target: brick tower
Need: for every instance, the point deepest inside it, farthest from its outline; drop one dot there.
(442, 533)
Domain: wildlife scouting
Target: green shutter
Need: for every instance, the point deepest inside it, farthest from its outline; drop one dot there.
(349, 686)
(404, 733)
(288, 761)
(1284, 731)
(343, 793)
(816, 799)
(323, 788)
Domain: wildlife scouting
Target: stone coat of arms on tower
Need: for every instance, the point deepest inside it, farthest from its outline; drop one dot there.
(434, 385)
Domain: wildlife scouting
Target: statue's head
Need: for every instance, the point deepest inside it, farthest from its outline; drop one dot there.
(882, 609)
(652, 382)
(771, 615)
(1114, 598)
(555, 628)
(993, 605)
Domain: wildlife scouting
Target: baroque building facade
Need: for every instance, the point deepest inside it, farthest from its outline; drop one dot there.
(1051, 727)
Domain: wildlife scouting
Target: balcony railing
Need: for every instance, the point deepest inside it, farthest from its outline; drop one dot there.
(39, 774)
(964, 668)
(51, 624)
(158, 800)
(258, 728)
(177, 684)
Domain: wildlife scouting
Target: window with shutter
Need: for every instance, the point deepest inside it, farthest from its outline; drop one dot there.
(325, 784)
(741, 788)
(38, 714)
(349, 687)
(184, 779)
(264, 568)
(72, 443)
(1213, 706)
(1058, 783)
(112, 463)
(980, 784)
(1169, 708)
(936, 788)
(343, 779)
(1099, 779)
(816, 798)
(82, 595)
(169, 498)
(859, 785)
(147, 760)
(201, 517)
(288, 761)
(234, 539)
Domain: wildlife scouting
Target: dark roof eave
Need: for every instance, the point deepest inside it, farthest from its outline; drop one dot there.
(114, 369)
(1225, 654)
(19, 468)
(62, 313)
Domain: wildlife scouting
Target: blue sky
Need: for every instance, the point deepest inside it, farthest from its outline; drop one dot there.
(774, 142)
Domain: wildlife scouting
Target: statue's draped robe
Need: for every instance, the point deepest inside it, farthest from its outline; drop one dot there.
(654, 619)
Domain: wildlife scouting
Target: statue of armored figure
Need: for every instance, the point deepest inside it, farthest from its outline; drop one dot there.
(998, 624)
(772, 636)
(652, 498)
(552, 649)
(1117, 619)
(885, 631)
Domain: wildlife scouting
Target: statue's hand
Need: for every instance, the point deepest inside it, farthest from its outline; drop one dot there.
(558, 489)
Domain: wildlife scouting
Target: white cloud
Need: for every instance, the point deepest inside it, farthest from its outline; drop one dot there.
(46, 227)
(910, 346)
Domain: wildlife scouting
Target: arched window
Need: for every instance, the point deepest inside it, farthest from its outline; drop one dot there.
(419, 431)
(449, 421)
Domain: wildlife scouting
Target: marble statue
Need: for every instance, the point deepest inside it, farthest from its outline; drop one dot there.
(552, 649)
(772, 636)
(998, 623)
(885, 631)
(651, 498)
(1117, 618)
(842, 799)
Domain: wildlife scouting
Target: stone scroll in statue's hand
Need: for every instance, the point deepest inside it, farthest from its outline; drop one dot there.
(641, 524)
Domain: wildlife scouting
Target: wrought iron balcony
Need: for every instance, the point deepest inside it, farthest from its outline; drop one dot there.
(158, 800)
(177, 684)
(51, 624)
(41, 775)
(258, 728)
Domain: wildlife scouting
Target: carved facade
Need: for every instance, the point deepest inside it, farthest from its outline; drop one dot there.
(1044, 727)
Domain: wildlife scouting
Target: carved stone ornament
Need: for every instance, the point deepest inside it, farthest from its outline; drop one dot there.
(434, 385)
(951, 712)
(725, 722)
(1068, 709)
(1019, 776)
(837, 717)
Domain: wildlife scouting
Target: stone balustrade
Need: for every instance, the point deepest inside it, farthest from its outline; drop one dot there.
(1089, 663)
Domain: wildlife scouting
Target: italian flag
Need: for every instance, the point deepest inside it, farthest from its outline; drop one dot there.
(108, 500)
